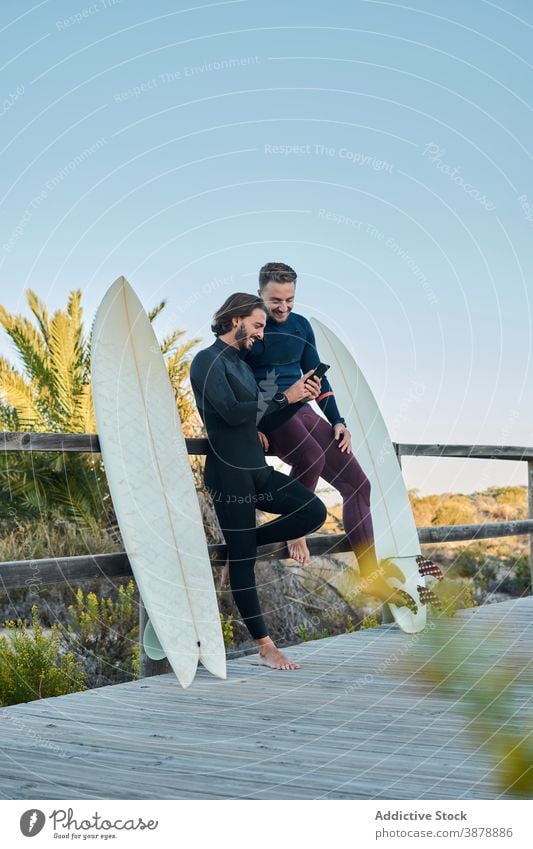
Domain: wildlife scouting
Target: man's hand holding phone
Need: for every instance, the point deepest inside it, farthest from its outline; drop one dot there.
(305, 389)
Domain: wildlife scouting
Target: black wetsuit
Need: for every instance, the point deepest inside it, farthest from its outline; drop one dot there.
(237, 476)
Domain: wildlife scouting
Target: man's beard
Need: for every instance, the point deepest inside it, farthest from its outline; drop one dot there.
(241, 337)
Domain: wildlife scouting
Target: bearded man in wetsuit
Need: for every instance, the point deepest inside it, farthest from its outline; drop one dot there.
(314, 446)
(236, 474)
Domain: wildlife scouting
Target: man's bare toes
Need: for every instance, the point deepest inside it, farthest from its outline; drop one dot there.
(299, 551)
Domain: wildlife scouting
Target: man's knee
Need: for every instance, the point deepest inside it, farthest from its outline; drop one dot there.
(355, 483)
(312, 457)
(307, 455)
(317, 512)
(364, 488)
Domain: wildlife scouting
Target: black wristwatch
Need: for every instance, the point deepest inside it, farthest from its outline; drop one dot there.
(281, 400)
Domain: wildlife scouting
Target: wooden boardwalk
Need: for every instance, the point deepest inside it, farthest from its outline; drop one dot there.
(334, 729)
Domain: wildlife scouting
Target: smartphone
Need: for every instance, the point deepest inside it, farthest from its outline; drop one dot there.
(320, 370)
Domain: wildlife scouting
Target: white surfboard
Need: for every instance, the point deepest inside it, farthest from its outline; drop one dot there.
(152, 486)
(394, 525)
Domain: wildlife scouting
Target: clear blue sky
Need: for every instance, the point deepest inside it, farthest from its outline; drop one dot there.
(381, 149)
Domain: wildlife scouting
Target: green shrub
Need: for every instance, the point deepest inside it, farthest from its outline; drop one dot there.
(369, 621)
(227, 630)
(468, 561)
(38, 539)
(104, 634)
(34, 665)
(522, 572)
(304, 634)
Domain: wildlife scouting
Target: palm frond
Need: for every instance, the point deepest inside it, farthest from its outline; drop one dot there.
(169, 341)
(75, 313)
(40, 312)
(76, 498)
(21, 397)
(29, 345)
(52, 392)
(63, 359)
(178, 365)
(154, 312)
(8, 417)
(84, 417)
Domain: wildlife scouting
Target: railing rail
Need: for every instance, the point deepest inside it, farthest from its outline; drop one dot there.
(48, 571)
(88, 443)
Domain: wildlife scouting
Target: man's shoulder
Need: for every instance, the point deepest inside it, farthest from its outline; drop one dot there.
(204, 357)
(301, 321)
(205, 353)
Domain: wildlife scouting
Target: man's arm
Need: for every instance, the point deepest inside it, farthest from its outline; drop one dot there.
(208, 378)
(209, 381)
(297, 395)
(326, 399)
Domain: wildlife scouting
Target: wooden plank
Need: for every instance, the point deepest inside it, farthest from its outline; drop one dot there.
(84, 443)
(88, 443)
(478, 452)
(35, 574)
(81, 442)
(489, 530)
(59, 570)
(264, 735)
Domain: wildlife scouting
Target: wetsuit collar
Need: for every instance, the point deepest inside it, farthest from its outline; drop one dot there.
(272, 324)
(229, 350)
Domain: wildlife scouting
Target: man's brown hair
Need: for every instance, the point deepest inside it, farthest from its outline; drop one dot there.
(278, 272)
(238, 305)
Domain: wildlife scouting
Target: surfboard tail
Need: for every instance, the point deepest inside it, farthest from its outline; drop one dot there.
(214, 664)
(185, 673)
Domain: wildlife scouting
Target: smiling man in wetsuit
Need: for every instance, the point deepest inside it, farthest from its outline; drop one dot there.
(314, 446)
(236, 474)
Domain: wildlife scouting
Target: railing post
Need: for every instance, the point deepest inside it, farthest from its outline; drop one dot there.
(149, 667)
(530, 512)
(386, 615)
(397, 451)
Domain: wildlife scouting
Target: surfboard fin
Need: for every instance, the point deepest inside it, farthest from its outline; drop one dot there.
(402, 599)
(151, 644)
(428, 567)
(427, 596)
(375, 578)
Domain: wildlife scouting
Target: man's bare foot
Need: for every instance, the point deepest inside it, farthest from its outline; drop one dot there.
(270, 655)
(224, 576)
(299, 551)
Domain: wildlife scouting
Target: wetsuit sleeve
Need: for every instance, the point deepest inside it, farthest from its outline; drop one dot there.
(326, 399)
(210, 383)
(274, 416)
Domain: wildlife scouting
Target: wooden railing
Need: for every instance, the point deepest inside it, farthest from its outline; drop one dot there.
(59, 570)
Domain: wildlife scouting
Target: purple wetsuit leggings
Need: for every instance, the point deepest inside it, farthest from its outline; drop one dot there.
(306, 442)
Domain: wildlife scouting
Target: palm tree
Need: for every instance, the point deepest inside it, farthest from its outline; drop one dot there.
(51, 392)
